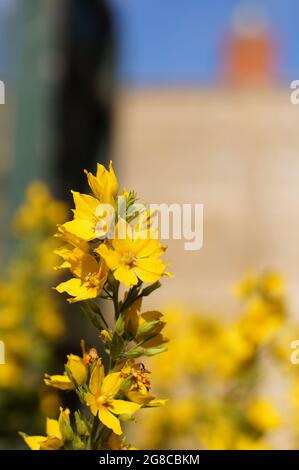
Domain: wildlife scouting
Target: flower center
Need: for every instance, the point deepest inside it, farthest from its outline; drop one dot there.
(103, 400)
(129, 259)
(92, 280)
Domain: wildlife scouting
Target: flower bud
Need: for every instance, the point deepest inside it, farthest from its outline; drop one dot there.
(81, 425)
(65, 425)
(77, 369)
(148, 328)
(77, 443)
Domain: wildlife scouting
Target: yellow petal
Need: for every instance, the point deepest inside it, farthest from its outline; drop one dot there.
(89, 265)
(77, 368)
(53, 429)
(122, 246)
(85, 205)
(148, 248)
(152, 265)
(126, 275)
(157, 403)
(96, 378)
(91, 402)
(83, 229)
(95, 185)
(121, 407)
(33, 442)
(62, 382)
(140, 398)
(101, 172)
(114, 188)
(109, 420)
(71, 287)
(111, 384)
(71, 239)
(79, 291)
(110, 256)
(146, 276)
(51, 443)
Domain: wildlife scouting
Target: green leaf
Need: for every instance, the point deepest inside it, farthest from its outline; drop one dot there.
(81, 426)
(120, 325)
(149, 289)
(147, 328)
(154, 351)
(117, 346)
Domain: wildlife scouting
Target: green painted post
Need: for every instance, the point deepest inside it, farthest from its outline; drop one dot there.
(31, 126)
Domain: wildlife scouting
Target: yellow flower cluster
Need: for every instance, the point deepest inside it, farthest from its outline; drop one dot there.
(216, 396)
(102, 249)
(29, 314)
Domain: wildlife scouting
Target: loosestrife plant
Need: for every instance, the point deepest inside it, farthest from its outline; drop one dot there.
(103, 253)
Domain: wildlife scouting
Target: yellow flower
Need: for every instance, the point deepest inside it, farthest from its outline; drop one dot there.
(11, 375)
(262, 321)
(76, 367)
(101, 398)
(48, 320)
(270, 284)
(138, 391)
(236, 350)
(91, 219)
(71, 241)
(92, 215)
(89, 281)
(131, 256)
(32, 216)
(247, 443)
(262, 414)
(53, 440)
(104, 185)
(246, 286)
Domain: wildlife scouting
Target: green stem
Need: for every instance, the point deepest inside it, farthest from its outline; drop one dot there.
(115, 299)
(102, 437)
(103, 318)
(132, 296)
(94, 431)
(98, 436)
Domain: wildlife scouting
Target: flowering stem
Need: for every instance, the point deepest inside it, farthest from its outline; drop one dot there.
(106, 393)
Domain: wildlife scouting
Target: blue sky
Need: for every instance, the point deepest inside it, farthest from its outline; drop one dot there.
(171, 41)
(178, 41)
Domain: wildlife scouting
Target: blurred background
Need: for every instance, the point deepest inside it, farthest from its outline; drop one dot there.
(192, 103)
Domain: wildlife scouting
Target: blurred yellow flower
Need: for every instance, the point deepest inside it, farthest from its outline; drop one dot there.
(262, 414)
